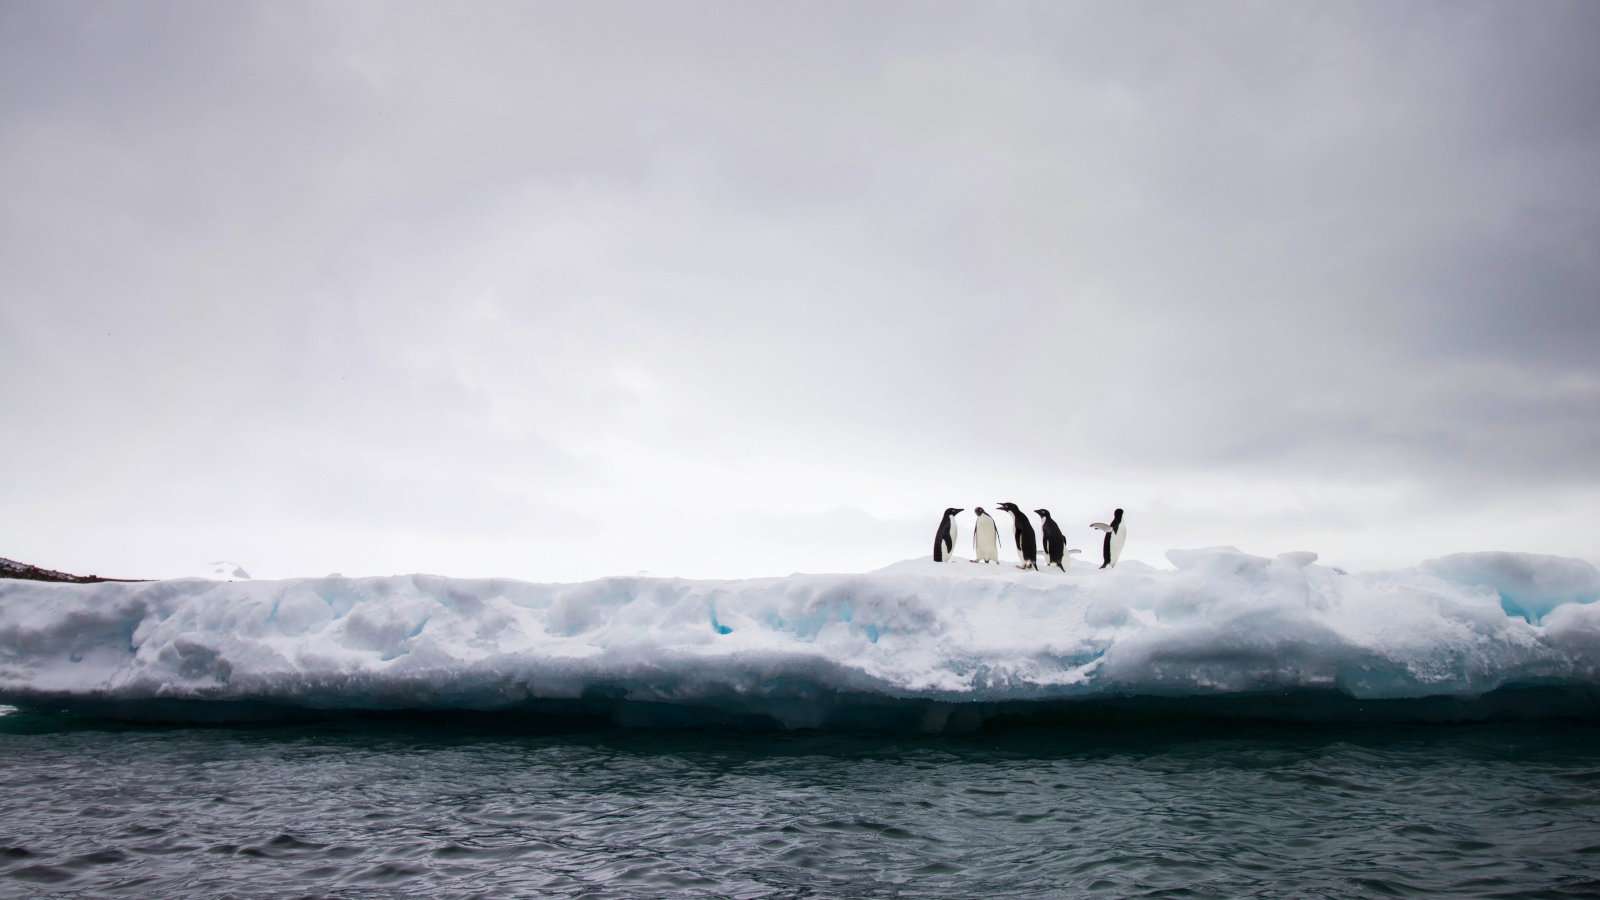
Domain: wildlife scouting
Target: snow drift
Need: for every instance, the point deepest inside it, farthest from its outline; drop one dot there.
(918, 640)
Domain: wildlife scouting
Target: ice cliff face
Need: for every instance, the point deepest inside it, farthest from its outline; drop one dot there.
(1528, 585)
(1223, 622)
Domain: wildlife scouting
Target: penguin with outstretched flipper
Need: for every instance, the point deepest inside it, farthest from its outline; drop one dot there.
(1022, 529)
(1055, 543)
(1116, 536)
(944, 540)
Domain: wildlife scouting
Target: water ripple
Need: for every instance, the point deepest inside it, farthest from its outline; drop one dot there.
(348, 812)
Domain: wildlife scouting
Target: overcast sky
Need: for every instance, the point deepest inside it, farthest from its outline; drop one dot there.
(555, 291)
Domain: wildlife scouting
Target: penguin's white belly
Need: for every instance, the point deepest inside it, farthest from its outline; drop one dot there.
(986, 541)
(1117, 539)
(950, 550)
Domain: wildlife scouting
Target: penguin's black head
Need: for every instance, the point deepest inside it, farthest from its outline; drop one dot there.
(951, 511)
(1117, 514)
(1010, 508)
(1042, 513)
(978, 510)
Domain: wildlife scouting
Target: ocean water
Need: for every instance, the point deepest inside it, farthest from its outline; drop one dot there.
(444, 807)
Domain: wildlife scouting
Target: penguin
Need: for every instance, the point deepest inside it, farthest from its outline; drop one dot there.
(1027, 549)
(1055, 543)
(1116, 536)
(944, 540)
(985, 538)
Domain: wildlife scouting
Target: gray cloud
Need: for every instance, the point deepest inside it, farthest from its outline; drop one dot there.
(418, 286)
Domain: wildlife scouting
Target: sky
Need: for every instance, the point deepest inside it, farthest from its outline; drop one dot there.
(557, 290)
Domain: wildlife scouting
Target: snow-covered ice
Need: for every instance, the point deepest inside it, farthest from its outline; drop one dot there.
(223, 570)
(1221, 622)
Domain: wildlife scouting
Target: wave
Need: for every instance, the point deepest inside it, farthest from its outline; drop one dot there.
(923, 644)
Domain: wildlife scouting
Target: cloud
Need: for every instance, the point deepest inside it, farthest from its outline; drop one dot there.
(433, 286)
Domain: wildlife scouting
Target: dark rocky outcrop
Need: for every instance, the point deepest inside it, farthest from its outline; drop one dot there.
(10, 568)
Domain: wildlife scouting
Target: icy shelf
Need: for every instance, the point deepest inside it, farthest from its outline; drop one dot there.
(801, 648)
